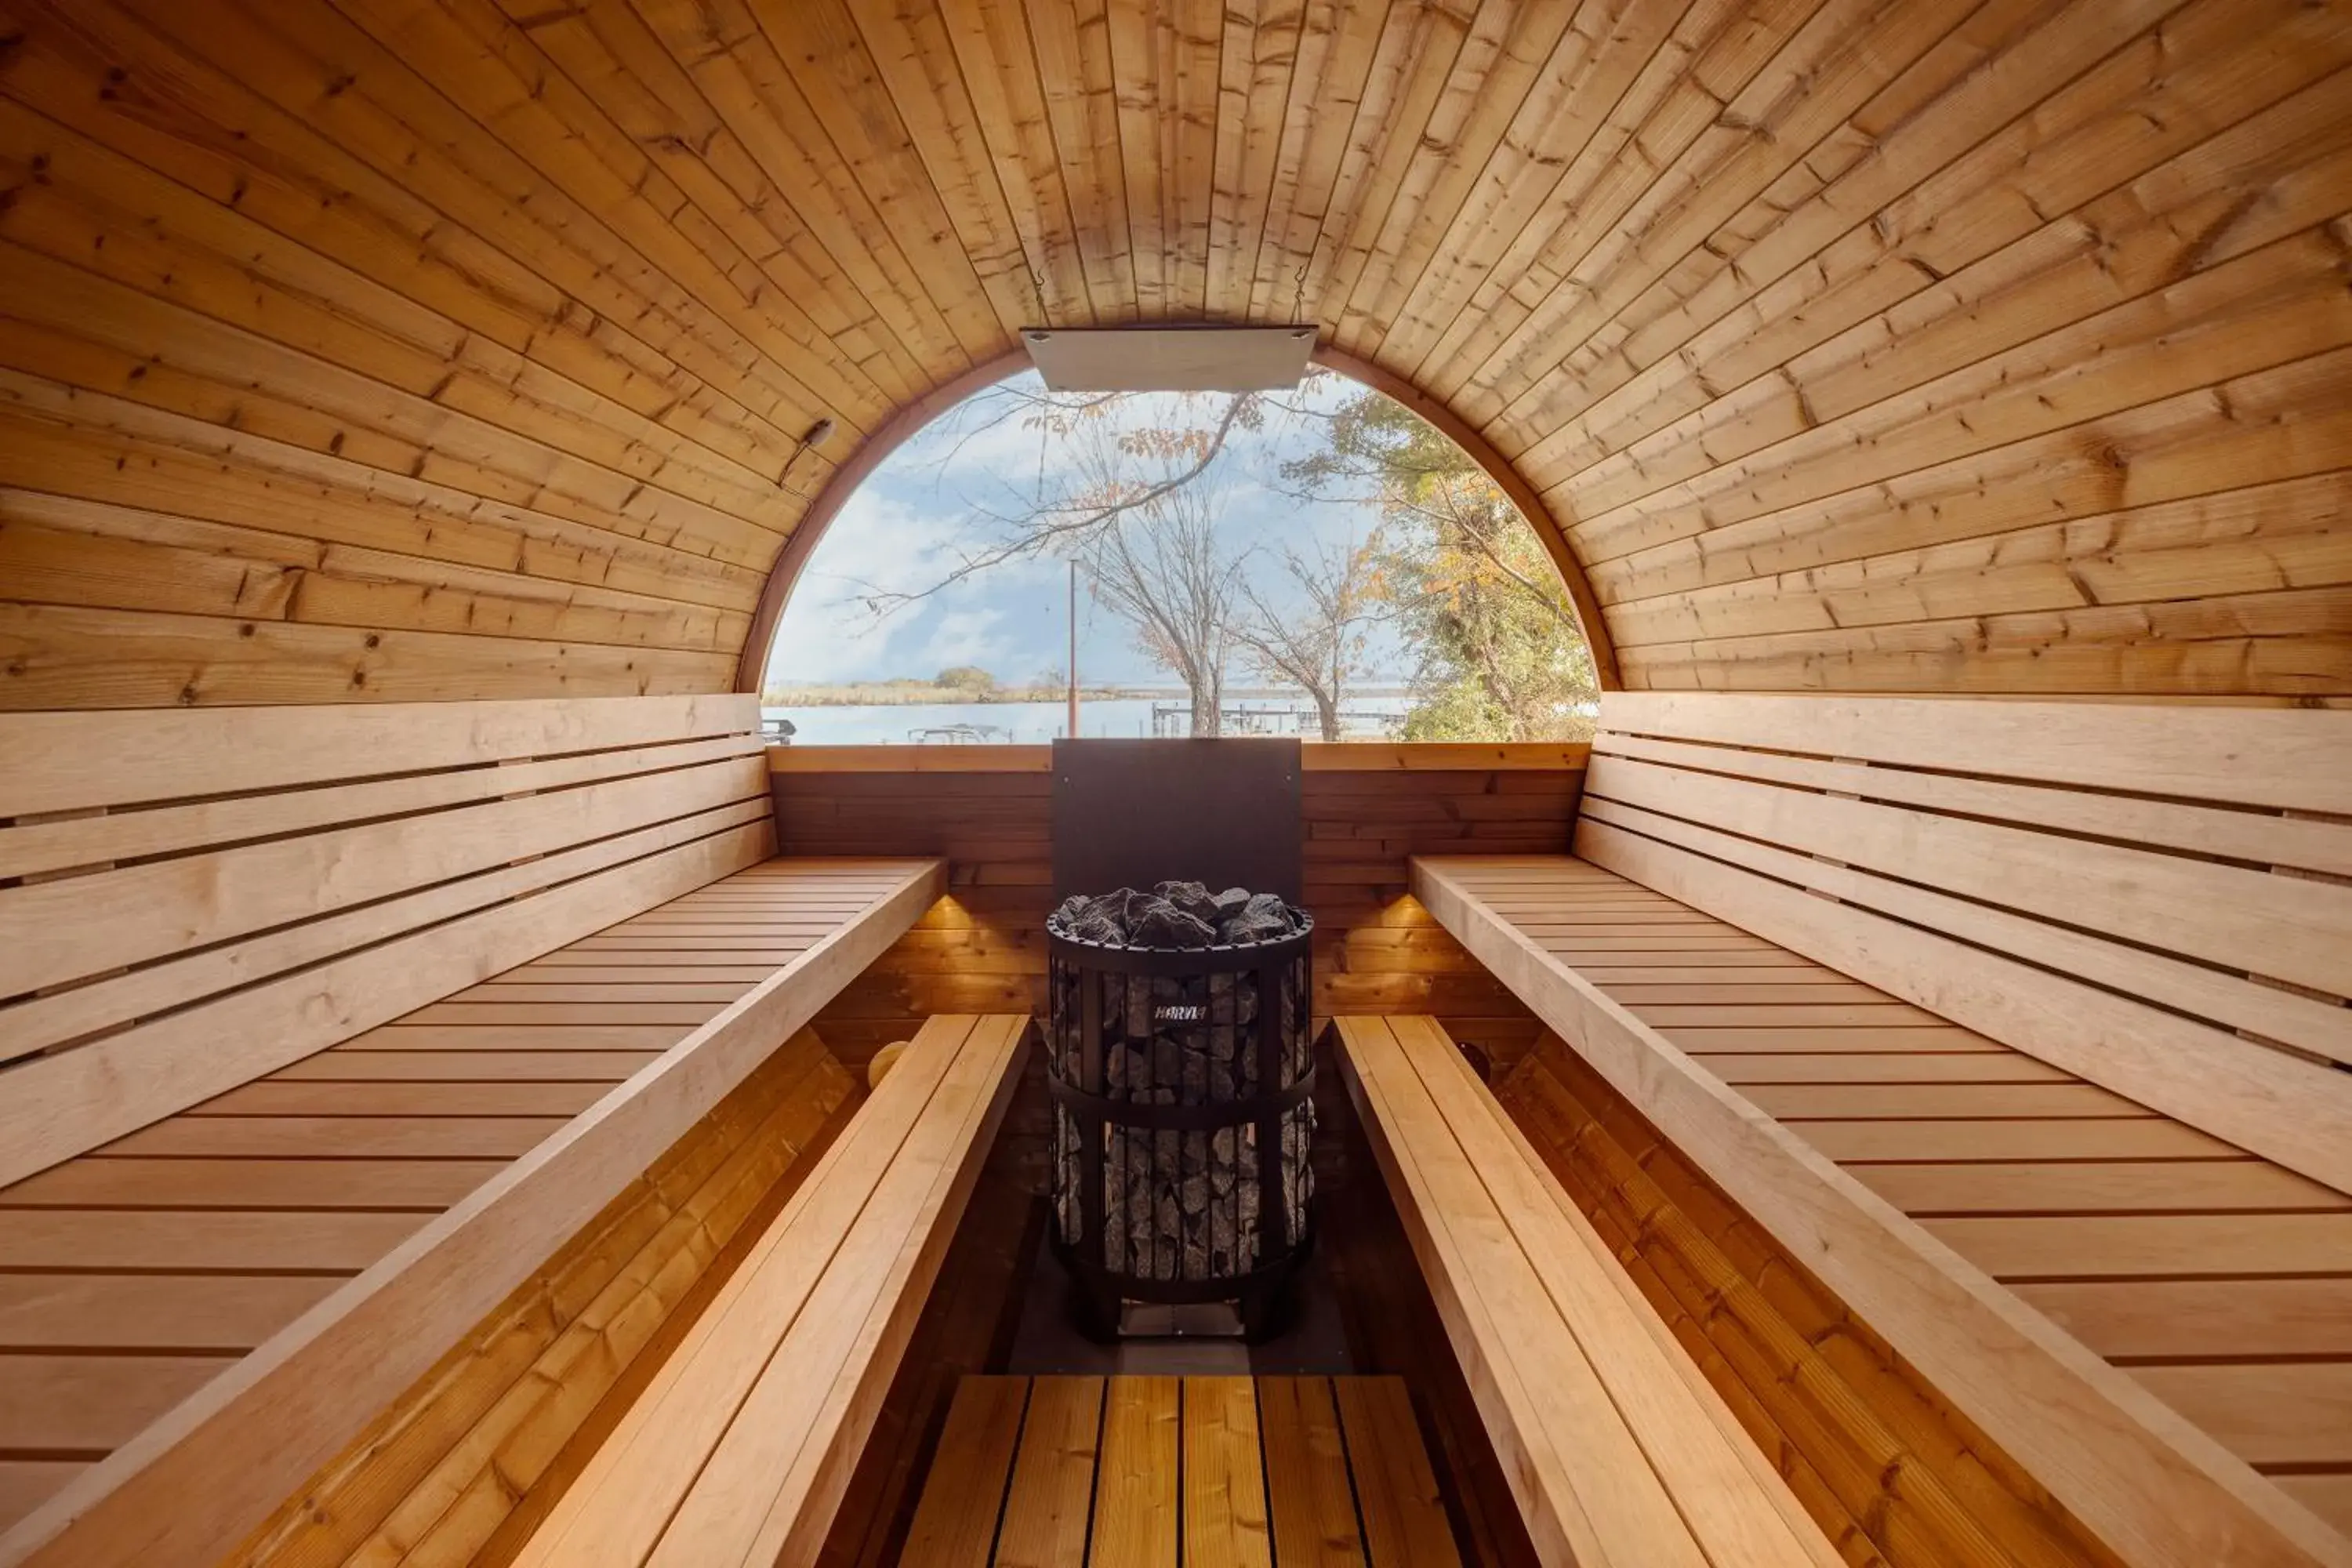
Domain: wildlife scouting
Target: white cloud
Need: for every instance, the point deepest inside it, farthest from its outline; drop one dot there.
(970, 636)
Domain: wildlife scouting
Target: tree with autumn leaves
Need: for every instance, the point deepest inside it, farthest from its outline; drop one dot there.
(1500, 655)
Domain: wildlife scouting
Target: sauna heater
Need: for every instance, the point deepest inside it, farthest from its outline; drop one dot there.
(1182, 1078)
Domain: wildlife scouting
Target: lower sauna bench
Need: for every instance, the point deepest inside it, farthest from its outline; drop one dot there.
(1151, 1472)
(154, 1292)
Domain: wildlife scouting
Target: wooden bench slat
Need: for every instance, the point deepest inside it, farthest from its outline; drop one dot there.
(2267, 1100)
(1309, 1496)
(151, 1313)
(2014, 1245)
(2066, 877)
(1224, 1509)
(345, 1181)
(1742, 1039)
(1932, 1141)
(1694, 1435)
(955, 1523)
(858, 1320)
(336, 1137)
(328, 1242)
(183, 1490)
(2097, 1187)
(2273, 1413)
(625, 1497)
(1396, 1490)
(2146, 1319)
(92, 1403)
(1047, 1516)
(2190, 983)
(434, 1039)
(59, 1105)
(1856, 1068)
(26, 1484)
(208, 895)
(344, 1065)
(273, 1097)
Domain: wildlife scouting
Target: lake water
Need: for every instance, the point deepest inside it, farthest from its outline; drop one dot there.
(1035, 723)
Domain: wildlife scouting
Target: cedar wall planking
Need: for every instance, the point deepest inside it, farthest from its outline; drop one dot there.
(982, 947)
(361, 349)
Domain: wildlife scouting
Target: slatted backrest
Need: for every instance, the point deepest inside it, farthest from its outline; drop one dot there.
(2136, 892)
(189, 899)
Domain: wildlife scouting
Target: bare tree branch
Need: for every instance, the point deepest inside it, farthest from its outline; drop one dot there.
(1166, 570)
(1066, 521)
(1315, 644)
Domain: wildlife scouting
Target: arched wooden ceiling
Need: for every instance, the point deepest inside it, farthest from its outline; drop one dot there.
(461, 348)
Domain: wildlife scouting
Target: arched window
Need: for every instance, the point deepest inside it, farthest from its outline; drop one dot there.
(1320, 562)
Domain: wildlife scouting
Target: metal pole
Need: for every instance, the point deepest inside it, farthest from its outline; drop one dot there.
(1074, 651)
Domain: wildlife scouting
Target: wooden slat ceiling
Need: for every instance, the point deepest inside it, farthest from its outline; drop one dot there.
(460, 348)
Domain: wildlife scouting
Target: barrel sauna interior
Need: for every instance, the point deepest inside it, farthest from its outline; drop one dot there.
(414, 415)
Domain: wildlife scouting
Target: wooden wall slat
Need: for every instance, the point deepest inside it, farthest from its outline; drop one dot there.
(57, 932)
(60, 762)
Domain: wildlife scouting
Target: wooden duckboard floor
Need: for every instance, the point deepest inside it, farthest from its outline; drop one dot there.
(1192, 1472)
(2222, 1282)
(132, 1275)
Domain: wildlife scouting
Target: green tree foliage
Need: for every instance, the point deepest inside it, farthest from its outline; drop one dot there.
(1499, 654)
(967, 678)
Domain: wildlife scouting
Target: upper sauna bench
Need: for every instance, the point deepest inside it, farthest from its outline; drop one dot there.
(325, 1028)
(2023, 1026)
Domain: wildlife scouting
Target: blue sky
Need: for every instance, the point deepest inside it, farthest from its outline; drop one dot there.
(902, 530)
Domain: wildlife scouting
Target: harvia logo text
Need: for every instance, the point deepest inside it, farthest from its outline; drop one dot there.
(1179, 1013)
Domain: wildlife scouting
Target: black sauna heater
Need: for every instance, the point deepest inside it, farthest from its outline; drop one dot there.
(1180, 1045)
(1182, 1078)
